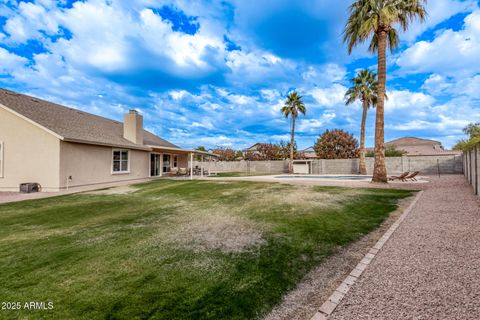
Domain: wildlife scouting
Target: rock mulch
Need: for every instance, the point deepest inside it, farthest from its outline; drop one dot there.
(430, 267)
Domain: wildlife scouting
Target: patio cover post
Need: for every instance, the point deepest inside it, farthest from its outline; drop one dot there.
(201, 166)
(191, 165)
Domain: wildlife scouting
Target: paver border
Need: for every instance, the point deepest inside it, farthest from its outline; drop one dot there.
(334, 300)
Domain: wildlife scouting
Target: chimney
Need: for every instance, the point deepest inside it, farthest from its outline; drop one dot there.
(133, 127)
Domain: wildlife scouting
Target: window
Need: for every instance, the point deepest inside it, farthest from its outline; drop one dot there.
(175, 161)
(166, 163)
(1, 159)
(120, 161)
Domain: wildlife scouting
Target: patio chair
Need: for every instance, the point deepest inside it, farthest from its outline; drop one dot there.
(400, 177)
(412, 176)
(182, 171)
(174, 171)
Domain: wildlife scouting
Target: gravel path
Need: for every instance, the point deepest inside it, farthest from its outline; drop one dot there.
(430, 267)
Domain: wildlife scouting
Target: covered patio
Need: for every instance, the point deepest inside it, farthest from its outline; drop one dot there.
(168, 162)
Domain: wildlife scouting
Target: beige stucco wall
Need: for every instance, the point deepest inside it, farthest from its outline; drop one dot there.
(30, 154)
(90, 165)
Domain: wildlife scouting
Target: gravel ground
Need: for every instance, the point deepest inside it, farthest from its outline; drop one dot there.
(430, 267)
(302, 302)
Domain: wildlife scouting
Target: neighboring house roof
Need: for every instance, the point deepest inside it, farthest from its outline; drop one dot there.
(309, 153)
(252, 148)
(420, 147)
(408, 141)
(75, 125)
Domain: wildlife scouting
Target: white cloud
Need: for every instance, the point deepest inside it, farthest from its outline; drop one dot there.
(411, 102)
(31, 20)
(442, 85)
(329, 97)
(452, 53)
(314, 125)
(328, 73)
(10, 62)
(438, 11)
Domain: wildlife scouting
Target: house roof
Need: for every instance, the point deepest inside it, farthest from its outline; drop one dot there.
(420, 147)
(75, 125)
(253, 147)
(309, 149)
(409, 141)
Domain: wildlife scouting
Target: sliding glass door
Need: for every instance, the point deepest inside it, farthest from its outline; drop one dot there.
(154, 165)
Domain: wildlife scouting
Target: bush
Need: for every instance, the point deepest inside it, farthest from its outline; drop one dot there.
(225, 154)
(336, 144)
(390, 151)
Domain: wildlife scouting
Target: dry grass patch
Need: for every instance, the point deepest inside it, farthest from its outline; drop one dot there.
(219, 232)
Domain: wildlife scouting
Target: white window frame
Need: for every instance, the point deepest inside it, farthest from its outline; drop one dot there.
(2, 158)
(128, 161)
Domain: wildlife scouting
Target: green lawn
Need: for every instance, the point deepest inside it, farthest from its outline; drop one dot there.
(176, 249)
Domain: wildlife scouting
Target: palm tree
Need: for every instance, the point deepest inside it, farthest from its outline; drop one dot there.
(364, 88)
(293, 106)
(377, 19)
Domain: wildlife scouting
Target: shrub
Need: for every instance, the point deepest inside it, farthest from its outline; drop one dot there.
(390, 151)
(336, 144)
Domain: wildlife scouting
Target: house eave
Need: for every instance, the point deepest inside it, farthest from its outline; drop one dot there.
(95, 143)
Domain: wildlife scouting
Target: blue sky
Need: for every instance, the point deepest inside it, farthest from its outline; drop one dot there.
(216, 72)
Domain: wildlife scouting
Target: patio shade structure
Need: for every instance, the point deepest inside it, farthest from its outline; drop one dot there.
(188, 156)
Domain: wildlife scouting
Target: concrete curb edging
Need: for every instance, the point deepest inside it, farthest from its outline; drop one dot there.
(334, 300)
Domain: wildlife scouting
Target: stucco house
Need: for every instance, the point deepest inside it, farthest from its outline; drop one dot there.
(60, 147)
(413, 146)
(309, 153)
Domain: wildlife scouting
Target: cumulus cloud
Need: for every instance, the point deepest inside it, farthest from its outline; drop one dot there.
(438, 11)
(315, 125)
(453, 53)
(223, 81)
(10, 62)
(330, 96)
(408, 101)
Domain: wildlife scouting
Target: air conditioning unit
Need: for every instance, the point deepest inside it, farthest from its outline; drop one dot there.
(29, 187)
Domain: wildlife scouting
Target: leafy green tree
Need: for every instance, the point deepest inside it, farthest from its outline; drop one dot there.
(284, 150)
(336, 144)
(377, 19)
(364, 88)
(390, 151)
(293, 106)
(473, 132)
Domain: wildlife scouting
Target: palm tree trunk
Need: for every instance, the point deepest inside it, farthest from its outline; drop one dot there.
(290, 165)
(362, 167)
(379, 169)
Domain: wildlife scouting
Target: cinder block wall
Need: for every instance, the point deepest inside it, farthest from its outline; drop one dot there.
(425, 164)
(472, 168)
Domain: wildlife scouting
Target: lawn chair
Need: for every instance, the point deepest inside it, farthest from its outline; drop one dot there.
(400, 177)
(412, 176)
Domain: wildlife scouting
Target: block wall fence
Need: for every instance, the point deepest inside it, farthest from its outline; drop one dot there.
(471, 163)
(427, 165)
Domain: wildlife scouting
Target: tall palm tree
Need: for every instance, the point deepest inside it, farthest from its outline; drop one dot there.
(293, 106)
(377, 19)
(364, 88)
